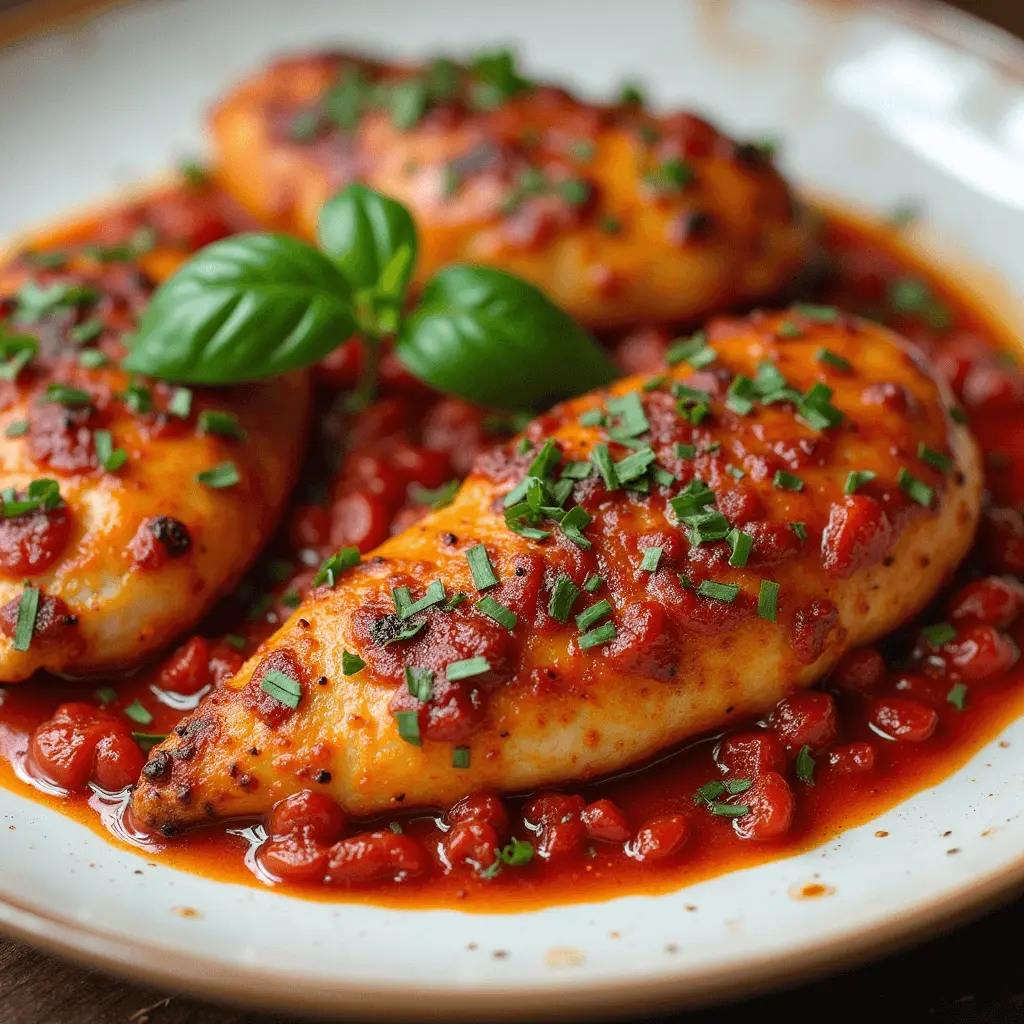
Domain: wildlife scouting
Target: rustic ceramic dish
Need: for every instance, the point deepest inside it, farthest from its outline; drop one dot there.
(876, 103)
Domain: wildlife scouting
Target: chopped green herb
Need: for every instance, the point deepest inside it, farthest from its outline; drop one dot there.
(180, 405)
(651, 558)
(92, 359)
(686, 451)
(106, 695)
(711, 791)
(957, 414)
(914, 488)
(784, 481)
(768, 600)
(593, 583)
(437, 498)
(407, 103)
(595, 613)
(495, 610)
(706, 527)
(804, 766)
(740, 543)
(333, 567)
(605, 466)
(409, 727)
(905, 213)
(937, 460)
(610, 225)
(223, 424)
(460, 757)
(913, 297)
(24, 627)
(109, 457)
(631, 94)
(800, 529)
(721, 810)
(738, 395)
(592, 418)
(234, 640)
(816, 409)
(735, 472)
(823, 355)
(819, 314)
(692, 499)
(61, 394)
(563, 596)
(193, 172)
(634, 466)
(219, 477)
(419, 681)
(788, 329)
(40, 494)
(857, 479)
(726, 592)
(574, 191)
(351, 663)
(85, 332)
(629, 411)
(16, 428)
(939, 633)
(148, 740)
(671, 175)
(577, 470)
(406, 631)
(596, 637)
(957, 696)
(662, 477)
(434, 595)
(693, 350)
(137, 398)
(467, 668)
(281, 687)
(140, 714)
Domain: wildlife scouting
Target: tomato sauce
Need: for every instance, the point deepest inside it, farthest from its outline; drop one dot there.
(888, 722)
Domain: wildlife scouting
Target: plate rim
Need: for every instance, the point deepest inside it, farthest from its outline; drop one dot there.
(146, 962)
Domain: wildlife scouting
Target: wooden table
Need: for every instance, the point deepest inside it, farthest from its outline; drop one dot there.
(974, 976)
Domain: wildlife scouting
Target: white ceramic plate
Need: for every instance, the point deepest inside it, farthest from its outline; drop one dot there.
(875, 106)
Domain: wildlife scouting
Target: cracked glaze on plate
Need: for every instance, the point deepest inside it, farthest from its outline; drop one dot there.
(874, 107)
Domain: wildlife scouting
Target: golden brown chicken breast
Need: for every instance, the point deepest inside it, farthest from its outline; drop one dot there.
(128, 506)
(619, 214)
(643, 564)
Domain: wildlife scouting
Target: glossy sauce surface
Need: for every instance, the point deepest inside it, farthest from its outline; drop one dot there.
(653, 836)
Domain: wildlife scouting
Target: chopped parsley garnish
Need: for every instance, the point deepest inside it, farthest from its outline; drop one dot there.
(593, 583)
(723, 810)
(804, 766)
(40, 494)
(69, 397)
(563, 596)
(672, 175)
(420, 682)
(180, 404)
(957, 696)
(819, 314)
(857, 479)
(16, 428)
(143, 716)
(574, 191)
(905, 213)
(914, 488)
(500, 613)
(709, 793)
(768, 600)
(109, 457)
(726, 592)
(592, 418)
(651, 558)
(219, 477)
(467, 668)
(738, 396)
(480, 567)
(913, 297)
(434, 595)
(280, 686)
(223, 424)
(784, 481)
(24, 627)
(629, 411)
(333, 567)
(937, 460)
(740, 544)
(693, 350)
(816, 409)
(800, 529)
(595, 613)
(823, 355)
(573, 523)
(409, 727)
(85, 332)
(939, 633)
(516, 854)
(610, 225)
(603, 460)
(137, 398)
(596, 637)
(662, 477)
(351, 663)
(460, 757)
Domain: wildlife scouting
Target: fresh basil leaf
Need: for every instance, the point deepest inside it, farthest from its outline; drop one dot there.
(372, 239)
(492, 338)
(243, 308)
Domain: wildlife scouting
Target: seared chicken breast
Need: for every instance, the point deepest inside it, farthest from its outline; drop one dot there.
(643, 564)
(619, 214)
(129, 506)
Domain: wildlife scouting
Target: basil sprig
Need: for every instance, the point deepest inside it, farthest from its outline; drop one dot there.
(257, 305)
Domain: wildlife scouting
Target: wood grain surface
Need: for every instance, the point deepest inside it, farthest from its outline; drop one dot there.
(973, 976)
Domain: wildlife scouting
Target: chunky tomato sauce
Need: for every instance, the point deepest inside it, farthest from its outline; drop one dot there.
(889, 721)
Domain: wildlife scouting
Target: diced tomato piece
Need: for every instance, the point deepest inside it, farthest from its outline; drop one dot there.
(119, 762)
(361, 519)
(187, 670)
(852, 759)
(483, 806)
(375, 857)
(806, 719)
(861, 671)
(472, 842)
(771, 804)
(661, 836)
(903, 720)
(375, 474)
(979, 652)
(993, 601)
(310, 527)
(294, 858)
(812, 626)
(605, 822)
(307, 812)
(858, 535)
(558, 819)
(31, 543)
(421, 465)
(749, 754)
(340, 368)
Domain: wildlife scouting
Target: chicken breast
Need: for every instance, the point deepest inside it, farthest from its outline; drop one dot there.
(621, 215)
(642, 565)
(129, 506)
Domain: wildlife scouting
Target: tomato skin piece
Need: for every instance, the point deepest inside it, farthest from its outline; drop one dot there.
(993, 601)
(852, 759)
(294, 858)
(860, 671)
(187, 670)
(746, 755)
(772, 806)
(806, 720)
(376, 857)
(472, 842)
(660, 837)
(903, 720)
(484, 806)
(605, 822)
(307, 812)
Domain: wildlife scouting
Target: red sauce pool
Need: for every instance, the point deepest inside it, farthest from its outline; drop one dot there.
(403, 450)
